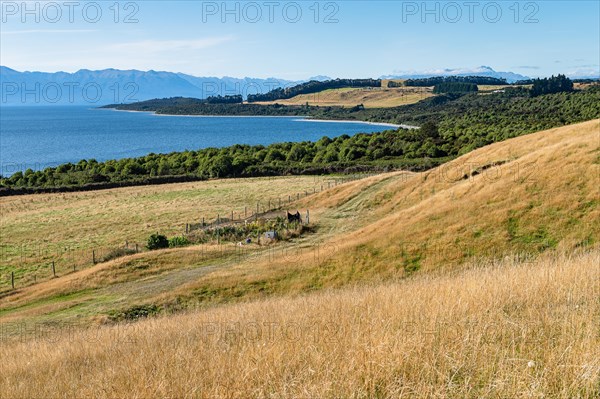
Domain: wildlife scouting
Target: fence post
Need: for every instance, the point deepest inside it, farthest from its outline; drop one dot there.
(245, 212)
(269, 208)
(94, 256)
(280, 202)
(203, 221)
(257, 210)
(53, 269)
(12, 279)
(136, 248)
(232, 216)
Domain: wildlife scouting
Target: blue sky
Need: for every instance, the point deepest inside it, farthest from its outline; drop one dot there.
(291, 40)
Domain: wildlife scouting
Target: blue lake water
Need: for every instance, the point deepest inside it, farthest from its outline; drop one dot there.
(39, 137)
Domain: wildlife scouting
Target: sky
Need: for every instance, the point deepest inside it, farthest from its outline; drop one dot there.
(300, 39)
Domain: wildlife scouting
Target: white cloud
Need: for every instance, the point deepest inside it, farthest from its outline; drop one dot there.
(445, 71)
(584, 72)
(527, 67)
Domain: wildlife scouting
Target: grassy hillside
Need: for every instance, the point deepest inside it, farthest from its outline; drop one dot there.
(478, 278)
(373, 97)
(508, 329)
(526, 196)
(542, 195)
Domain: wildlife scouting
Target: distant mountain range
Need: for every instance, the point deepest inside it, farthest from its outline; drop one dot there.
(510, 77)
(110, 86)
(114, 86)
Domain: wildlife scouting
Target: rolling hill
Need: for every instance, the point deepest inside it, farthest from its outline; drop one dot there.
(525, 196)
(374, 97)
(476, 278)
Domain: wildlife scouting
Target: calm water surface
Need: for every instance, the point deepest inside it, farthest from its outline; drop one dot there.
(38, 137)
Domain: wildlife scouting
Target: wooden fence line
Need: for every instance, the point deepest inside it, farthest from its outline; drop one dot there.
(218, 221)
(99, 254)
(73, 261)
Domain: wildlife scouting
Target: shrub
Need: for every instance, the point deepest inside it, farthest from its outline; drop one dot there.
(178, 242)
(117, 253)
(157, 241)
(135, 313)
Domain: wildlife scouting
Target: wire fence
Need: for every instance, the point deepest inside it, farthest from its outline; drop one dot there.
(31, 265)
(267, 208)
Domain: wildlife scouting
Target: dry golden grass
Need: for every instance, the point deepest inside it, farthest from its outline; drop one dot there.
(502, 330)
(369, 97)
(544, 198)
(492, 87)
(582, 86)
(547, 189)
(384, 82)
(114, 285)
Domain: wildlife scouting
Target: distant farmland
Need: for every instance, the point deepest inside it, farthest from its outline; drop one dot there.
(374, 97)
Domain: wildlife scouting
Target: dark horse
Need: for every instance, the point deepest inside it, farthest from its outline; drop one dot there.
(294, 217)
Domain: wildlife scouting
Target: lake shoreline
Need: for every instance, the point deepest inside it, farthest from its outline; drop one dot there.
(394, 125)
(298, 118)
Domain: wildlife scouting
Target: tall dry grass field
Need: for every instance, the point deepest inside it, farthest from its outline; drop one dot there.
(504, 330)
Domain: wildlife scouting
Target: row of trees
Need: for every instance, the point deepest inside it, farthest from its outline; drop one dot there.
(178, 102)
(322, 156)
(313, 86)
(173, 102)
(554, 84)
(454, 87)
(235, 99)
(436, 80)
